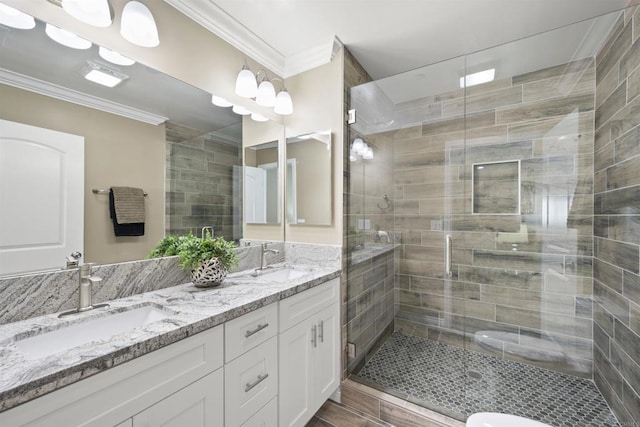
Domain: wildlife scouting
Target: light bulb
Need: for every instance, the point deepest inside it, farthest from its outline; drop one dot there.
(246, 85)
(284, 105)
(138, 26)
(266, 95)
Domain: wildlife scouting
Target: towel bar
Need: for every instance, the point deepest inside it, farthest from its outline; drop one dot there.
(96, 191)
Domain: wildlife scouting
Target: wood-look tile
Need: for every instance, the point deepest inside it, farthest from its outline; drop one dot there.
(620, 254)
(561, 86)
(624, 174)
(606, 86)
(634, 317)
(609, 60)
(406, 323)
(626, 119)
(339, 416)
(317, 422)
(516, 279)
(631, 287)
(612, 105)
(558, 70)
(404, 146)
(622, 201)
(613, 35)
(608, 274)
(632, 403)
(612, 301)
(628, 145)
(363, 402)
(421, 268)
(627, 340)
(603, 319)
(572, 124)
(630, 60)
(400, 417)
(569, 325)
(614, 402)
(625, 365)
(503, 223)
(470, 121)
(483, 101)
(633, 85)
(604, 365)
(411, 133)
(421, 159)
(544, 109)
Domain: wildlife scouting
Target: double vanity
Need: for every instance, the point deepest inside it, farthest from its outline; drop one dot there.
(261, 349)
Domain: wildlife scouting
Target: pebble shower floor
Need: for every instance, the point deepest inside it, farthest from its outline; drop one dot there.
(438, 376)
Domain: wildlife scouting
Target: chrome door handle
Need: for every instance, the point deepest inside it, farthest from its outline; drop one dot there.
(261, 378)
(314, 336)
(256, 330)
(447, 255)
(321, 330)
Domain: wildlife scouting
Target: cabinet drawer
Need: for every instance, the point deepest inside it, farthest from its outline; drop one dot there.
(295, 309)
(250, 330)
(250, 381)
(265, 417)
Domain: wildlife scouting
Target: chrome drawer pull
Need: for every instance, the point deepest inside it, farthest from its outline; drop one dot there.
(321, 330)
(261, 378)
(256, 330)
(314, 336)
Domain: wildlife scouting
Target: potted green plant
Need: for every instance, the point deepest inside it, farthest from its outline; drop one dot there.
(208, 259)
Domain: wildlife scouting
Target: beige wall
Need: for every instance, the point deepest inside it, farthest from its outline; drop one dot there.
(118, 152)
(318, 105)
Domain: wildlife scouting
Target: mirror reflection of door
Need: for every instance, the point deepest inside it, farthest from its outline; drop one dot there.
(41, 197)
(261, 187)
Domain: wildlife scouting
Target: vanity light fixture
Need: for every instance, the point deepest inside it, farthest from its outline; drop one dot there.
(114, 57)
(246, 84)
(92, 12)
(240, 110)
(138, 26)
(368, 155)
(284, 104)
(102, 75)
(15, 19)
(478, 78)
(360, 148)
(220, 102)
(258, 117)
(266, 94)
(66, 38)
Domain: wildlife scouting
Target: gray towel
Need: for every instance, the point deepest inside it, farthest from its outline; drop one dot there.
(129, 204)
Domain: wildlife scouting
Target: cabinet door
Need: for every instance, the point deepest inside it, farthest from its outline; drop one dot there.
(197, 405)
(326, 361)
(295, 395)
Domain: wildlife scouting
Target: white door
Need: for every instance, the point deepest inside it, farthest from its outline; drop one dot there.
(255, 190)
(41, 197)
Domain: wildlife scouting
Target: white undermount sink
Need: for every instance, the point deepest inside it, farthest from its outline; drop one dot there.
(83, 332)
(281, 274)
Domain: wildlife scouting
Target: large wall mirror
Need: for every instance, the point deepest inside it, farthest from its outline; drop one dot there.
(150, 131)
(309, 199)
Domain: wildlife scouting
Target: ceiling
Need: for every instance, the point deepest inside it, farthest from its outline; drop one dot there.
(386, 36)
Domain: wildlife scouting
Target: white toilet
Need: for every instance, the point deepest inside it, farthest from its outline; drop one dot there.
(495, 419)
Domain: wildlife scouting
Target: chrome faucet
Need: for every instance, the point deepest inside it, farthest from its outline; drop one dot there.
(85, 290)
(263, 253)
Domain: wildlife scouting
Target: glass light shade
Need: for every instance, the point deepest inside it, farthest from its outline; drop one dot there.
(138, 26)
(240, 110)
(66, 38)
(15, 19)
(266, 95)
(284, 105)
(114, 57)
(357, 145)
(220, 102)
(92, 12)
(368, 154)
(258, 117)
(246, 85)
(353, 156)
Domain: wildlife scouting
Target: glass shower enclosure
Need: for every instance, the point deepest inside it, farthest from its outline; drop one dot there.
(478, 276)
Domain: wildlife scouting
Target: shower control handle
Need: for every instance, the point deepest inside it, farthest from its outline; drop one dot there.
(447, 255)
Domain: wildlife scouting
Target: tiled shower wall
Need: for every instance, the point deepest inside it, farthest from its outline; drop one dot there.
(530, 274)
(199, 182)
(616, 266)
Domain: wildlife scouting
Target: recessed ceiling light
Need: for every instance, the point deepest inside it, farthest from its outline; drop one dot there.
(478, 78)
(114, 57)
(102, 75)
(16, 19)
(66, 38)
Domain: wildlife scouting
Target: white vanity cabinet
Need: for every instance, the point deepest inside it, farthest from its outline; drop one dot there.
(309, 351)
(115, 396)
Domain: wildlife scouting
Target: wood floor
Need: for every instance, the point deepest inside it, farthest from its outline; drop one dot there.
(365, 407)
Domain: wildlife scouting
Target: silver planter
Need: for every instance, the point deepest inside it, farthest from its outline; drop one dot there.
(210, 274)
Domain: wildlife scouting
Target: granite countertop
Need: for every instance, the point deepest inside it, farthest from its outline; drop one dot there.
(191, 309)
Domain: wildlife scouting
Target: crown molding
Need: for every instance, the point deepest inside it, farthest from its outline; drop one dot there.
(49, 89)
(213, 18)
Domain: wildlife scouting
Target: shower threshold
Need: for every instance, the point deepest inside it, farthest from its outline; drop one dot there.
(458, 382)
